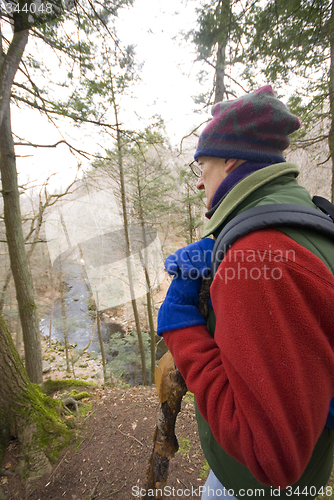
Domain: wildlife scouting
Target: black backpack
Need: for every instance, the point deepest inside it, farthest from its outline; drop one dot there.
(264, 216)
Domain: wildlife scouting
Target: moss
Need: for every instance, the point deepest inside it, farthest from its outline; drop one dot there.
(205, 469)
(33, 416)
(184, 445)
(51, 386)
(52, 433)
(42, 434)
(79, 395)
(189, 397)
(50, 359)
(85, 409)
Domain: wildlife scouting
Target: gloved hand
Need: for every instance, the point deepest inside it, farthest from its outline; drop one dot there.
(193, 261)
(180, 307)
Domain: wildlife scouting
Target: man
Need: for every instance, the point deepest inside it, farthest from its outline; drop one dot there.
(261, 368)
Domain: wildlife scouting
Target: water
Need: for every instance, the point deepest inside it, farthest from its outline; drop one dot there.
(79, 315)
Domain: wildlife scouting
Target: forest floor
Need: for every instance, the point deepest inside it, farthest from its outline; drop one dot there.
(109, 458)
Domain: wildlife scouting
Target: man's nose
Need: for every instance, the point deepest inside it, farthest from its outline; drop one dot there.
(200, 183)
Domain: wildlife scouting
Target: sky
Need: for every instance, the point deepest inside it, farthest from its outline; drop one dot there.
(168, 82)
(169, 74)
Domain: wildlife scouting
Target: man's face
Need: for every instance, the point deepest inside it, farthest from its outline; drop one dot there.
(213, 174)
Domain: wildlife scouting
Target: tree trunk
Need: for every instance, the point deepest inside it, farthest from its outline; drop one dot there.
(331, 99)
(64, 321)
(104, 365)
(4, 289)
(27, 414)
(145, 265)
(220, 74)
(9, 64)
(128, 255)
(29, 254)
(225, 14)
(152, 329)
(127, 240)
(17, 255)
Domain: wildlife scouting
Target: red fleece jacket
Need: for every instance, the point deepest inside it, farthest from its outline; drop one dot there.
(264, 382)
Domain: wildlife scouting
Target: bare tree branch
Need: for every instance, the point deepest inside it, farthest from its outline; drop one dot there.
(85, 154)
(62, 112)
(304, 143)
(190, 134)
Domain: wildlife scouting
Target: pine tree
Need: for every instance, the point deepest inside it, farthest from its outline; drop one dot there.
(217, 41)
(45, 26)
(149, 185)
(190, 206)
(292, 45)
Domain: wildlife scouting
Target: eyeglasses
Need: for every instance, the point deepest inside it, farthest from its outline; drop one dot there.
(195, 168)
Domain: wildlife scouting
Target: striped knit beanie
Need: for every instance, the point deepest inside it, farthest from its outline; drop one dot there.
(254, 127)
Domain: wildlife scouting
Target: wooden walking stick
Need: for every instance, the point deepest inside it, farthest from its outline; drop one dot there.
(171, 388)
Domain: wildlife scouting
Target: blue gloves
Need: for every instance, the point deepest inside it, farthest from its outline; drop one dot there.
(188, 266)
(193, 261)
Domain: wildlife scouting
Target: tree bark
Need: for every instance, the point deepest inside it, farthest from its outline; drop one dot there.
(8, 67)
(331, 98)
(127, 239)
(27, 414)
(17, 255)
(220, 74)
(225, 14)
(145, 264)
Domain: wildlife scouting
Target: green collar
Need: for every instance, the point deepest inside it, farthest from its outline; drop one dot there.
(243, 189)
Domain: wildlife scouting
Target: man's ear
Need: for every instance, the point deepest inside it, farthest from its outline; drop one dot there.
(230, 164)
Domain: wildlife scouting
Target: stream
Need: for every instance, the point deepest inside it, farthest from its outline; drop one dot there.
(80, 321)
(79, 314)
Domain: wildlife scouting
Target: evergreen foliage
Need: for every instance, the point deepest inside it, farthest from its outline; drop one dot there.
(218, 38)
(291, 44)
(190, 207)
(293, 39)
(288, 44)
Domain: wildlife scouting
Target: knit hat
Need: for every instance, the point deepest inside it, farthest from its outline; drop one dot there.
(253, 127)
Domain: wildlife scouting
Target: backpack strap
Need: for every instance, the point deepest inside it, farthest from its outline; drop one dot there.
(277, 215)
(264, 216)
(325, 206)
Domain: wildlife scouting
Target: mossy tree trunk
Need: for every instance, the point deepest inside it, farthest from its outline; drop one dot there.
(27, 414)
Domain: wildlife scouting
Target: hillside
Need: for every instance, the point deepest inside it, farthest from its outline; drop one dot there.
(109, 458)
